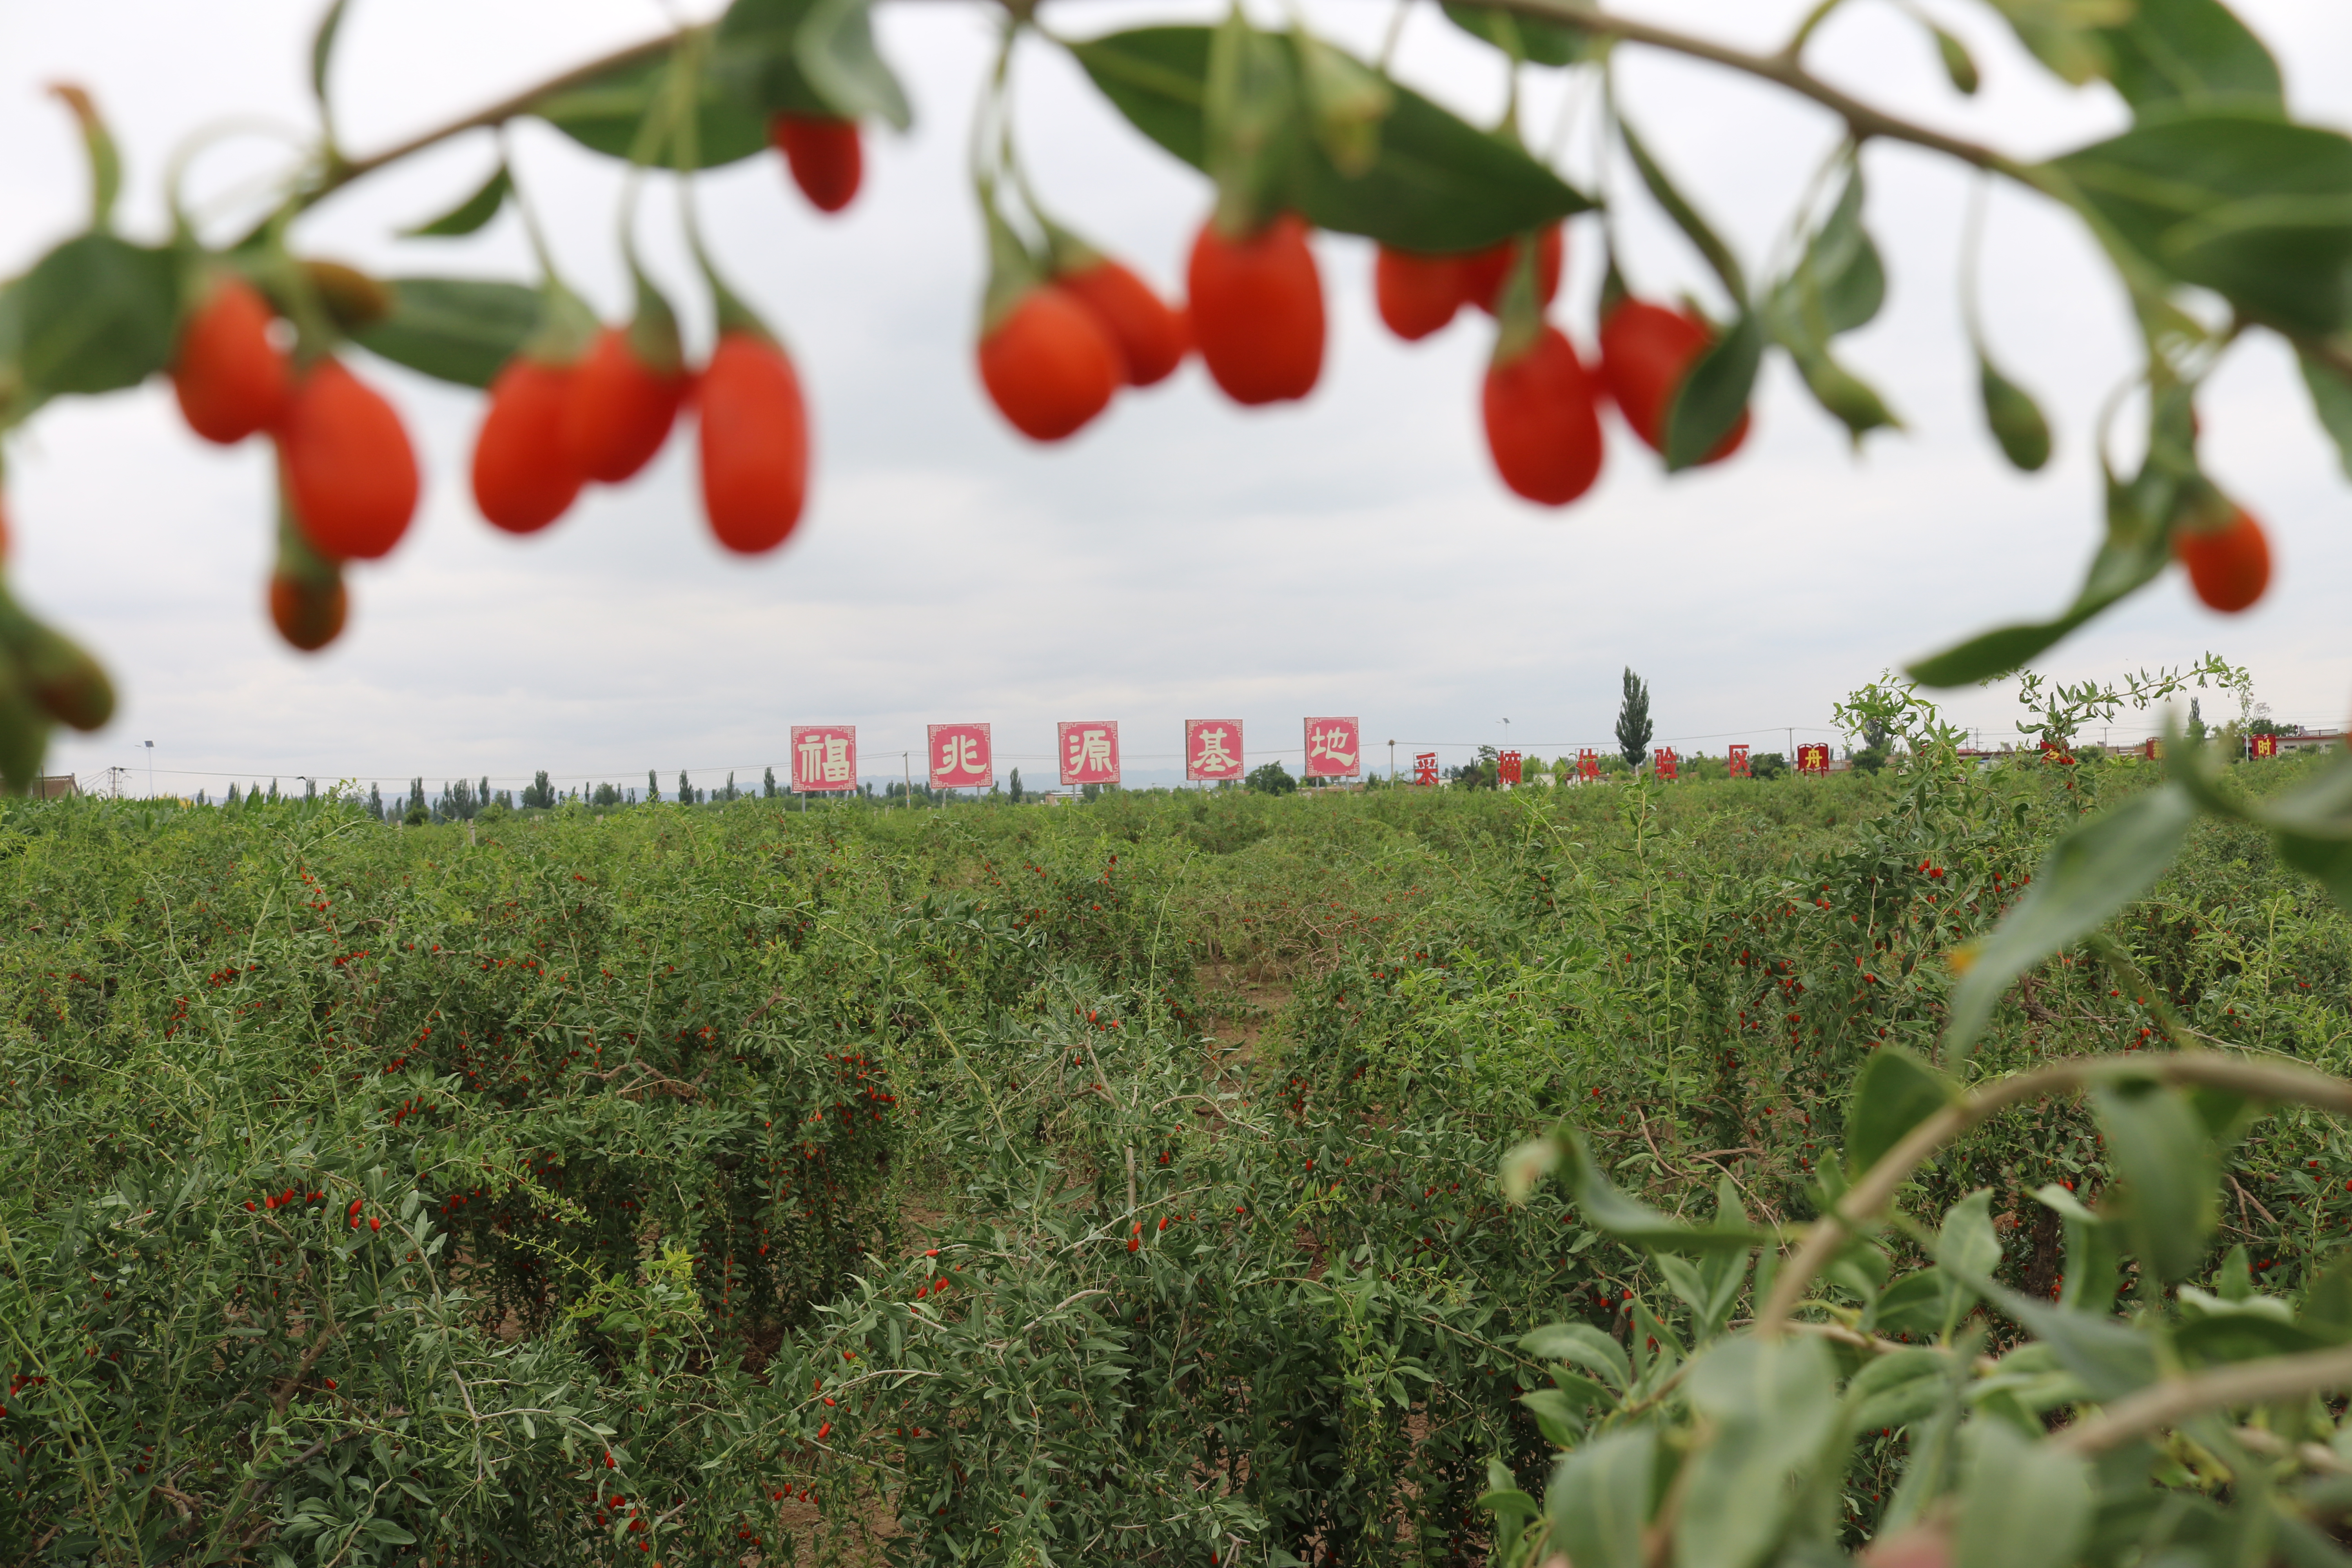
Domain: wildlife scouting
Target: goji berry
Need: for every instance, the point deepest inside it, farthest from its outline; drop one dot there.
(1048, 363)
(824, 154)
(350, 473)
(1645, 352)
(1150, 334)
(1417, 294)
(230, 379)
(754, 443)
(1484, 272)
(2229, 566)
(525, 475)
(1543, 427)
(1257, 310)
(620, 409)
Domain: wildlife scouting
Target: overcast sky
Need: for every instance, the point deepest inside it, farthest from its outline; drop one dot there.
(1181, 558)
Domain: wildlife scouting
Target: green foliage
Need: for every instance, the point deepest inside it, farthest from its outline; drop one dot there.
(1634, 720)
(1270, 778)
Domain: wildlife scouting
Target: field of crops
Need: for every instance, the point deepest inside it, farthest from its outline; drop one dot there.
(1114, 1183)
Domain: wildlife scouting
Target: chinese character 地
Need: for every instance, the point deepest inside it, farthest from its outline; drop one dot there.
(1327, 743)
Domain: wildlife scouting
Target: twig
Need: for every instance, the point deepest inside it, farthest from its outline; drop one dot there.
(2282, 1377)
(2246, 1197)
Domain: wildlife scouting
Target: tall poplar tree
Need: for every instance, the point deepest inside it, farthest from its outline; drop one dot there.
(1634, 720)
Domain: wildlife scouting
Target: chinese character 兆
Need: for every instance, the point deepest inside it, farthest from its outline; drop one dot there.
(1090, 749)
(959, 754)
(1213, 758)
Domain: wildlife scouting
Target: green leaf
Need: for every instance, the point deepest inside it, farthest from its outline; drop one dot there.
(1918, 1303)
(1897, 1389)
(2238, 201)
(1346, 101)
(1251, 122)
(1771, 1404)
(2244, 1336)
(322, 47)
(605, 112)
(453, 329)
(1686, 218)
(834, 50)
(1521, 37)
(2013, 417)
(1583, 1345)
(1958, 64)
(1714, 395)
(95, 315)
(1895, 1092)
(2023, 1504)
(2190, 51)
(1561, 1418)
(2065, 34)
(1629, 1219)
(2327, 1299)
(1439, 185)
(1967, 1246)
(470, 213)
(2094, 871)
(2160, 1147)
(2090, 1251)
(1600, 1499)
(2331, 399)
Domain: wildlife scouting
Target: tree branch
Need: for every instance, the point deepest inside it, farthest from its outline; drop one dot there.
(1876, 1189)
(2278, 1377)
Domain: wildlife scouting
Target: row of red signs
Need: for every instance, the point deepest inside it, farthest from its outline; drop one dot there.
(1664, 762)
(962, 756)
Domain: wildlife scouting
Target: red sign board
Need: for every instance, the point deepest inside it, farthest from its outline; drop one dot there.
(2153, 748)
(1425, 768)
(1588, 764)
(1813, 758)
(1334, 749)
(961, 756)
(1739, 762)
(1089, 751)
(824, 757)
(1508, 766)
(2262, 745)
(1212, 750)
(1664, 762)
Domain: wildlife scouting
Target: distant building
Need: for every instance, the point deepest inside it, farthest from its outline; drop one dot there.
(55, 786)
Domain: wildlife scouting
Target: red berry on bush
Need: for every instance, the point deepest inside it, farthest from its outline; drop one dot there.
(1484, 272)
(1048, 365)
(1543, 425)
(230, 379)
(2228, 565)
(1257, 310)
(525, 475)
(754, 442)
(1150, 334)
(1417, 294)
(620, 409)
(1645, 352)
(827, 160)
(307, 614)
(350, 470)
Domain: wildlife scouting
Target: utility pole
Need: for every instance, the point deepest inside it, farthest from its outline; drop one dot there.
(150, 768)
(907, 771)
(1391, 762)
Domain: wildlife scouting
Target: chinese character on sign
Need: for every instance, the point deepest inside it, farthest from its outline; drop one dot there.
(2153, 749)
(1739, 762)
(1588, 764)
(961, 757)
(1813, 758)
(1664, 762)
(2262, 745)
(1425, 768)
(824, 757)
(1212, 750)
(1333, 750)
(1089, 751)
(1508, 768)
